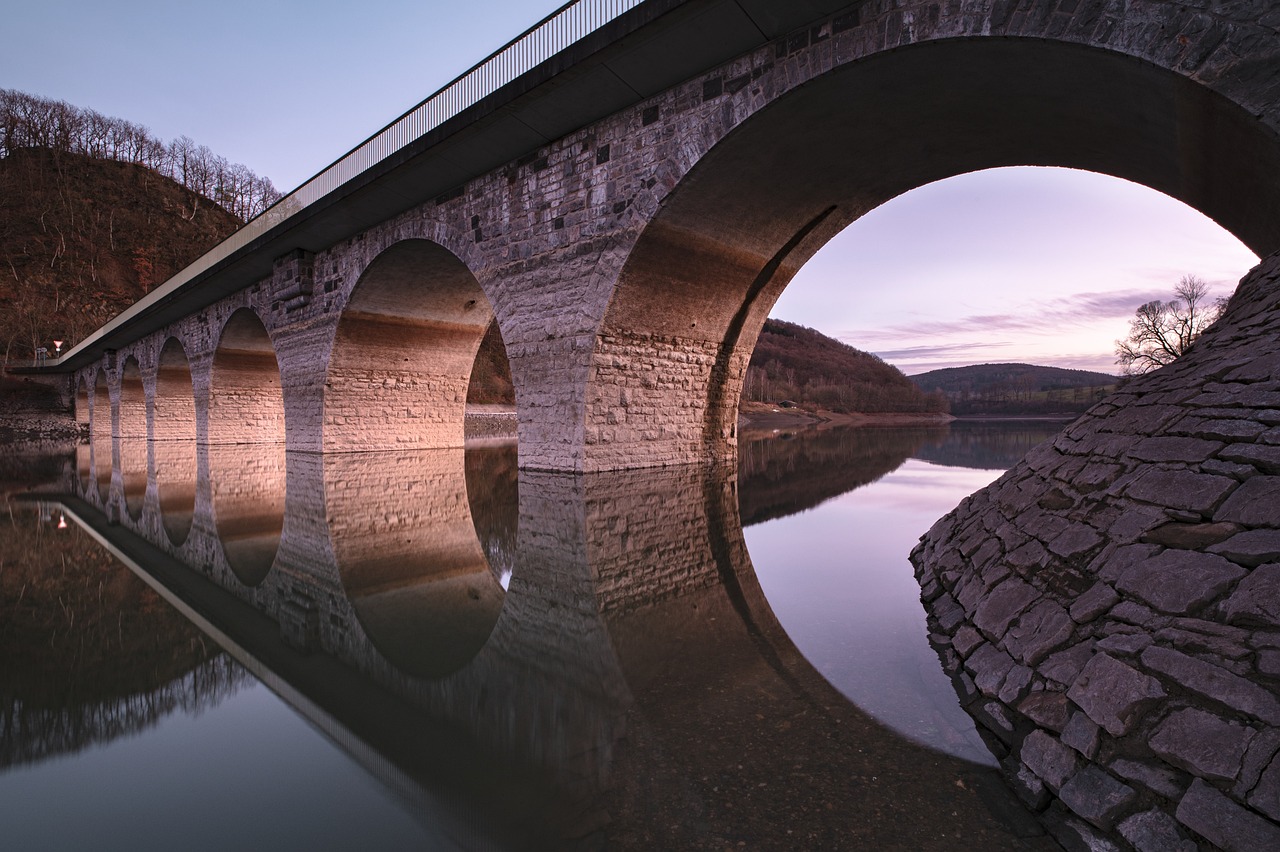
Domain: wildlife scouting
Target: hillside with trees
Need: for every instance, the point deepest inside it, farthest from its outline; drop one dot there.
(94, 212)
(797, 364)
(1016, 389)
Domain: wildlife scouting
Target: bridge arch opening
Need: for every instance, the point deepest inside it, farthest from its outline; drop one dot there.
(174, 444)
(246, 434)
(404, 352)
(100, 434)
(84, 460)
(133, 437)
(759, 203)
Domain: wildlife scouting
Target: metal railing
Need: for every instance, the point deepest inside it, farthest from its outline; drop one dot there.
(543, 40)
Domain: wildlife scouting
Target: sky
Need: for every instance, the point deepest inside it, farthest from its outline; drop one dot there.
(1035, 265)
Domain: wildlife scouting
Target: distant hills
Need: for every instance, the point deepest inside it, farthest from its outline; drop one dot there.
(1008, 389)
(795, 363)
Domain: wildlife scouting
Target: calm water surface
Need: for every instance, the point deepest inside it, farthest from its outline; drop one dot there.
(427, 652)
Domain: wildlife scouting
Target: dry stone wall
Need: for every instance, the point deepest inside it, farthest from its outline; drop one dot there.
(1109, 609)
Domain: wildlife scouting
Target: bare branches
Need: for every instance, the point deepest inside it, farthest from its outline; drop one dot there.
(1161, 331)
(27, 121)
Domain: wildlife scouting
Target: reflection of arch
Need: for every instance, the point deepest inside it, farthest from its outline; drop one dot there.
(246, 404)
(100, 430)
(409, 559)
(174, 448)
(248, 485)
(133, 437)
(403, 353)
(772, 190)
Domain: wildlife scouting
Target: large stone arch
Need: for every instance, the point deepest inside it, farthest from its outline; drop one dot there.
(132, 426)
(174, 444)
(782, 179)
(403, 351)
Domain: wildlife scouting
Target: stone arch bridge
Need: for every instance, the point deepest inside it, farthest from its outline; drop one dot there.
(630, 205)
(630, 208)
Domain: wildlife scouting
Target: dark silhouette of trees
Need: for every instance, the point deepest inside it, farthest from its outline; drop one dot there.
(1161, 331)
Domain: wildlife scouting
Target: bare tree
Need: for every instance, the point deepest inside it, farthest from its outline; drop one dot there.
(1161, 331)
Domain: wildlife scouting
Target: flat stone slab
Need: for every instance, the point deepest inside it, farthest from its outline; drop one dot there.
(1221, 821)
(1202, 743)
(1183, 489)
(1179, 582)
(1096, 796)
(1256, 601)
(1049, 759)
(1213, 682)
(1256, 503)
(1250, 548)
(1113, 694)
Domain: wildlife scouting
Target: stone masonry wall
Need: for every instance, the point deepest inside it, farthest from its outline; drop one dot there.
(1109, 609)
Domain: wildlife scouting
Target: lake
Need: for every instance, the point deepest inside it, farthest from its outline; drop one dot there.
(258, 650)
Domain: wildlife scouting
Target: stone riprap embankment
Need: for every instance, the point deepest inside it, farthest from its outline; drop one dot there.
(1109, 609)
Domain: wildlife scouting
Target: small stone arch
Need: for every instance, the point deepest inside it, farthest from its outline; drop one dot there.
(132, 422)
(100, 434)
(82, 401)
(174, 444)
(403, 352)
(246, 403)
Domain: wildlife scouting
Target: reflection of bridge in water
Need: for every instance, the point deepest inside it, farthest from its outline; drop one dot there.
(630, 684)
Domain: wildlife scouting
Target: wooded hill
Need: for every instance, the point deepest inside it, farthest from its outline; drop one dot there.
(792, 362)
(1007, 389)
(81, 239)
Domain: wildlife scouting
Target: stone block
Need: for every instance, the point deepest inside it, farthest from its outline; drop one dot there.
(1174, 449)
(1256, 601)
(1049, 759)
(1065, 665)
(1250, 548)
(1155, 831)
(1265, 458)
(1183, 489)
(1047, 708)
(1256, 503)
(1158, 779)
(1039, 631)
(1214, 682)
(1081, 734)
(1190, 536)
(1005, 603)
(1203, 744)
(1179, 581)
(1096, 796)
(1266, 795)
(1015, 685)
(1098, 599)
(1224, 822)
(989, 665)
(965, 640)
(1114, 694)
